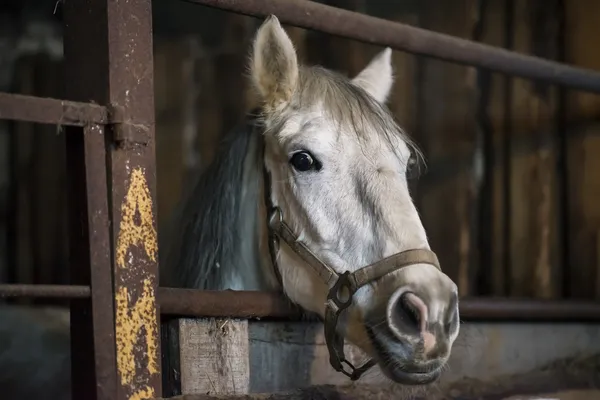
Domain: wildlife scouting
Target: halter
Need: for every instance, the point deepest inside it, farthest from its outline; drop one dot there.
(341, 286)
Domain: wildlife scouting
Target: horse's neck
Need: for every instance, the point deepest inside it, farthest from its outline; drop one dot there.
(216, 242)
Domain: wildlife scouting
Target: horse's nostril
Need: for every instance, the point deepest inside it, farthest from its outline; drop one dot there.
(409, 310)
(407, 315)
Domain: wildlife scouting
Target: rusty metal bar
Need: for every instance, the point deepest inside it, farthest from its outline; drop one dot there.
(227, 303)
(251, 304)
(92, 329)
(50, 111)
(117, 72)
(527, 310)
(45, 291)
(368, 29)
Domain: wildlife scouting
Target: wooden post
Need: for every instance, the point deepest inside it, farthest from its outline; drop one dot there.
(214, 356)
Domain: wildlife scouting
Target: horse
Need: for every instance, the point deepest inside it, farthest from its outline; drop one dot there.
(308, 196)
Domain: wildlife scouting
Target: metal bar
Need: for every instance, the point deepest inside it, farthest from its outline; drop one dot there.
(368, 29)
(127, 62)
(117, 72)
(252, 304)
(50, 111)
(45, 291)
(95, 372)
(512, 309)
(92, 328)
(227, 303)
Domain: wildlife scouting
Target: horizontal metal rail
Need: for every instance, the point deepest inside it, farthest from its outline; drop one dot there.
(368, 29)
(45, 291)
(254, 304)
(50, 111)
(227, 303)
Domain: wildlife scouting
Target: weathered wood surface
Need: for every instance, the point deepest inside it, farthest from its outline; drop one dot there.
(583, 147)
(582, 374)
(287, 356)
(534, 247)
(446, 131)
(215, 354)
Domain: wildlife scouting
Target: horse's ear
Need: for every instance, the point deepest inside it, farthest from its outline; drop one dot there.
(274, 64)
(377, 78)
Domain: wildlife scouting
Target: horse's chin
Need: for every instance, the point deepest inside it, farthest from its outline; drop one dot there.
(396, 362)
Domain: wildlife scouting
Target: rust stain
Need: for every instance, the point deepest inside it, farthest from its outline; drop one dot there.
(130, 321)
(131, 234)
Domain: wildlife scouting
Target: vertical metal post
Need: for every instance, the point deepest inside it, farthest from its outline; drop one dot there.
(108, 49)
(93, 360)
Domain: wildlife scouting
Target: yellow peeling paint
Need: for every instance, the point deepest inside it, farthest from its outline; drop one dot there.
(130, 321)
(133, 319)
(132, 234)
(143, 394)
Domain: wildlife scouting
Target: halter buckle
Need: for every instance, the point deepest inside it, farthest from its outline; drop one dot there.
(336, 293)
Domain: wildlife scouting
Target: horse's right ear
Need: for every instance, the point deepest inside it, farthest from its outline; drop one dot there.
(274, 64)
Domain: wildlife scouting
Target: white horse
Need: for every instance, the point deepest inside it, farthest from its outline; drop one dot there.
(309, 197)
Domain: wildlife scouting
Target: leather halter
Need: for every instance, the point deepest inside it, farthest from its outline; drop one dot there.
(341, 286)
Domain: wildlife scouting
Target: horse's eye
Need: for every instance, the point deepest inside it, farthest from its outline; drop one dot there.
(302, 161)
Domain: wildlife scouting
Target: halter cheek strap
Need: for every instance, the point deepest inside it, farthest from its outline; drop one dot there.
(341, 286)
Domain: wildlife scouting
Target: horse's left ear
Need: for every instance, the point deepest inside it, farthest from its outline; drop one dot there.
(274, 65)
(377, 77)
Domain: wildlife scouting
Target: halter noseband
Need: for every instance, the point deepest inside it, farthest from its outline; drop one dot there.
(341, 286)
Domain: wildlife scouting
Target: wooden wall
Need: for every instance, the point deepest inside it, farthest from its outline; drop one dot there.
(513, 160)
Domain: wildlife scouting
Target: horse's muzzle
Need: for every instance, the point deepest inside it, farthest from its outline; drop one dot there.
(411, 342)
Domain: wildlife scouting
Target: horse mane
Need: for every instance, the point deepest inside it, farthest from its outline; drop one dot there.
(213, 240)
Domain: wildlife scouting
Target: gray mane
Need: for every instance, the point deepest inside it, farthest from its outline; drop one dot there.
(214, 236)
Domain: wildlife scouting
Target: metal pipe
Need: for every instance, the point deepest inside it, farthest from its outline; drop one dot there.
(227, 303)
(44, 291)
(50, 111)
(253, 304)
(378, 31)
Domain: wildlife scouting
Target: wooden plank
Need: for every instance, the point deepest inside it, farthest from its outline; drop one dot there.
(583, 146)
(214, 356)
(446, 131)
(535, 252)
